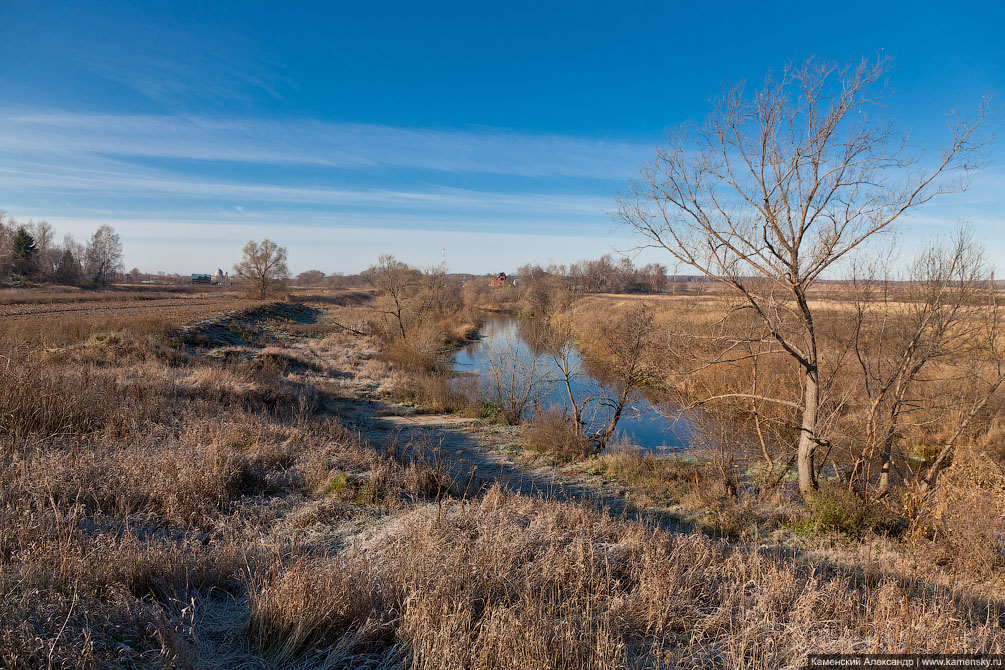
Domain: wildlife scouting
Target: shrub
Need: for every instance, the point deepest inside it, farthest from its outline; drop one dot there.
(417, 353)
(833, 508)
(438, 392)
(658, 479)
(551, 431)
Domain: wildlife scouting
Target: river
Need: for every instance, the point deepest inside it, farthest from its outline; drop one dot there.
(641, 424)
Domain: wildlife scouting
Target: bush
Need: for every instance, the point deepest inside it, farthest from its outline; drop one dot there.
(437, 392)
(834, 508)
(551, 431)
(421, 352)
(655, 478)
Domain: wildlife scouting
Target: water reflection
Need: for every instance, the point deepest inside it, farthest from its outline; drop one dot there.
(512, 347)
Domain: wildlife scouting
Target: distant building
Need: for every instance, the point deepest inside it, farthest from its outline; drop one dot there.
(499, 280)
(221, 277)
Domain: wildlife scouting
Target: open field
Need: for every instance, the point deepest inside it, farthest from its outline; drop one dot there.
(834, 299)
(27, 318)
(55, 295)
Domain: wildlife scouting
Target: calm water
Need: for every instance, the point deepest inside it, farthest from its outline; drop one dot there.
(640, 423)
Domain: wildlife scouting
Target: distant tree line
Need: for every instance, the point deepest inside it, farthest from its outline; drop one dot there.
(609, 275)
(606, 275)
(29, 252)
(335, 280)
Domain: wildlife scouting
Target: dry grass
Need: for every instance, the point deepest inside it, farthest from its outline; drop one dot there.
(511, 582)
(655, 480)
(437, 392)
(44, 325)
(420, 363)
(190, 506)
(961, 527)
(135, 487)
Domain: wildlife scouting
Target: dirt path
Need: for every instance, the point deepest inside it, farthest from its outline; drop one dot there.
(474, 452)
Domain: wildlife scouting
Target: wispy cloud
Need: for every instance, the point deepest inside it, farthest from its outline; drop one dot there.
(309, 142)
(153, 176)
(178, 65)
(56, 179)
(547, 196)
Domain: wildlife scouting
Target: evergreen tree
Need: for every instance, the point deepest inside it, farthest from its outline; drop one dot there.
(24, 250)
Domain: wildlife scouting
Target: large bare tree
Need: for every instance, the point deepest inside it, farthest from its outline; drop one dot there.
(778, 186)
(103, 256)
(629, 341)
(263, 266)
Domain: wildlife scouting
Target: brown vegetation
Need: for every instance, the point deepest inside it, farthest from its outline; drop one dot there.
(133, 484)
(742, 482)
(737, 481)
(553, 431)
(182, 497)
(510, 582)
(29, 321)
(778, 187)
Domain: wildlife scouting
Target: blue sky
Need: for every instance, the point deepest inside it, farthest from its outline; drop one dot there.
(501, 131)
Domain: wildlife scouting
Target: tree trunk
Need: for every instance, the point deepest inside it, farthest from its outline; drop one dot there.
(884, 473)
(577, 414)
(401, 324)
(808, 437)
(603, 436)
(562, 361)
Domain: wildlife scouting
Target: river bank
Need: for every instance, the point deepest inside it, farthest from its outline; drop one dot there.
(685, 489)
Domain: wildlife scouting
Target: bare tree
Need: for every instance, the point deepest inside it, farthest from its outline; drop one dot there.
(435, 296)
(655, 277)
(398, 284)
(7, 228)
(903, 329)
(48, 253)
(514, 380)
(103, 256)
(628, 341)
(263, 266)
(554, 340)
(561, 346)
(68, 268)
(776, 188)
(982, 384)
